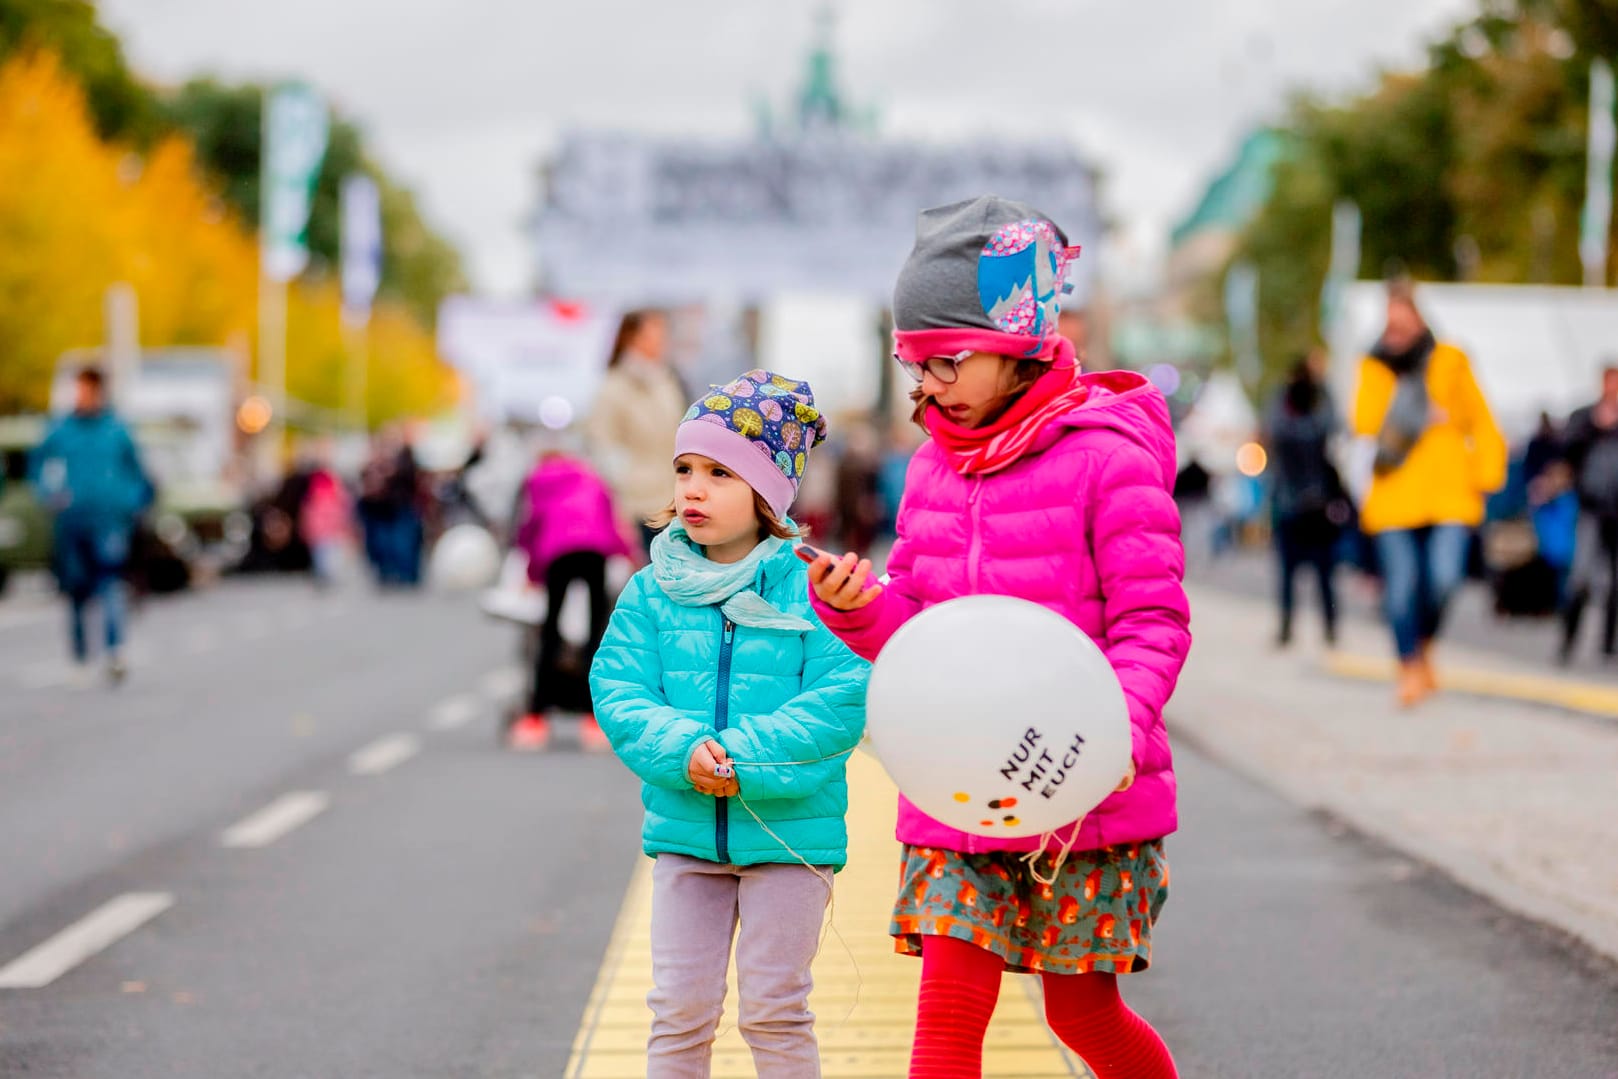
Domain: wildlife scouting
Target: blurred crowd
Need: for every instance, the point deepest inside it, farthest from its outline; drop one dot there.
(393, 508)
(1414, 486)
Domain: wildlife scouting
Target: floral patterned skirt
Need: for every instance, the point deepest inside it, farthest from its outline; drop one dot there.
(1098, 916)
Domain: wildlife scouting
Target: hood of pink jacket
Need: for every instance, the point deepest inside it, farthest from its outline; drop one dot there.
(1085, 525)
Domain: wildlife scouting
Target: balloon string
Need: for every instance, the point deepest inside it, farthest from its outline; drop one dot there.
(784, 764)
(826, 878)
(1031, 859)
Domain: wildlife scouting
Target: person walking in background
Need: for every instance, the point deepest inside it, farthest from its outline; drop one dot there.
(88, 471)
(858, 496)
(630, 431)
(373, 509)
(326, 520)
(1306, 496)
(1591, 447)
(390, 510)
(405, 495)
(1438, 454)
(568, 530)
(1553, 503)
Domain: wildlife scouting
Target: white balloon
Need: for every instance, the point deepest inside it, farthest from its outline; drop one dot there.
(998, 717)
(464, 559)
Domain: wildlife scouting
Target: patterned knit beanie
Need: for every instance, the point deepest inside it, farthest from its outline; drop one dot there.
(760, 426)
(985, 275)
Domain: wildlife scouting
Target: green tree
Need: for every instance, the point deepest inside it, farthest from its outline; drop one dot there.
(121, 106)
(1471, 168)
(419, 267)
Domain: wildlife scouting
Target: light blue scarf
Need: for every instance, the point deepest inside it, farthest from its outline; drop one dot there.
(691, 580)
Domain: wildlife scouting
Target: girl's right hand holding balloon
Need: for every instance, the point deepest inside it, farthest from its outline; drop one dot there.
(704, 775)
(843, 584)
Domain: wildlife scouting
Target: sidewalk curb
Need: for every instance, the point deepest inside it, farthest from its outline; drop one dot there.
(1475, 874)
(1588, 699)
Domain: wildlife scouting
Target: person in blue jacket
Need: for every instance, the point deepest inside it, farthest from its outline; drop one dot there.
(88, 472)
(720, 689)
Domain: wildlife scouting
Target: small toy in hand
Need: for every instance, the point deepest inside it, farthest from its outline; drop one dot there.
(723, 771)
(807, 553)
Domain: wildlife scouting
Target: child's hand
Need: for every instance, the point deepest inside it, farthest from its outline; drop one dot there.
(704, 764)
(1128, 780)
(842, 583)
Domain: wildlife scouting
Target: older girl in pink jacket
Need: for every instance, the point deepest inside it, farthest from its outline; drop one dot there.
(1052, 486)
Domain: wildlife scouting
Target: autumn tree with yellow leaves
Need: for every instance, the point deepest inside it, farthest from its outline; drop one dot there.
(79, 213)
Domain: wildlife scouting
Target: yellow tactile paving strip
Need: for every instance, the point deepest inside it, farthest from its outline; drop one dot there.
(871, 1041)
(1588, 697)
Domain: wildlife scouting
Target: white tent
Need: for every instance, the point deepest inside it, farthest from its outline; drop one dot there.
(1534, 348)
(1219, 424)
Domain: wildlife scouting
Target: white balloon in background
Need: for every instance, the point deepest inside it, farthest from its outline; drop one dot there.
(998, 717)
(464, 559)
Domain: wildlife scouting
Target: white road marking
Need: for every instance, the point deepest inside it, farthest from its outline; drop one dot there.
(502, 683)
(454, 712)
(94, 933)
(276, 819)
(384, 753)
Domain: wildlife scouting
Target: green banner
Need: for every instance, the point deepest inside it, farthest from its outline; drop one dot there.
(295, 128)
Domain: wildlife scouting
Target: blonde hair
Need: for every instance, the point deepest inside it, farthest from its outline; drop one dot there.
(769, 525)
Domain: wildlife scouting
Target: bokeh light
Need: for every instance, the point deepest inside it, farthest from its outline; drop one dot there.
(254, 415)
(1251, 460)
(1166, 377)
(556, 413)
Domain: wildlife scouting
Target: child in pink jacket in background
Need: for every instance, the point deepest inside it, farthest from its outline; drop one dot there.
(568, 530)
(1052, 486)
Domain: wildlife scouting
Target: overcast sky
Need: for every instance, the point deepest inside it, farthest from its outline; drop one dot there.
(462, 97)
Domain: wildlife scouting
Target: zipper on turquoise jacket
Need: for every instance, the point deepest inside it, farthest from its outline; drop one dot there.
(721, 718)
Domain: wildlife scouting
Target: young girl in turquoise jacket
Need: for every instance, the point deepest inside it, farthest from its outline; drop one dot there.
(720, 689)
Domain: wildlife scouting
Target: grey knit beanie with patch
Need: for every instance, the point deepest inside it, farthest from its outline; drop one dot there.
(987, 263)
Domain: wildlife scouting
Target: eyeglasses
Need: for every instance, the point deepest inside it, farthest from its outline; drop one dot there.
(945, 369)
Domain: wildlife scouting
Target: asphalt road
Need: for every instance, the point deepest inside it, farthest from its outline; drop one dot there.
(311, 858)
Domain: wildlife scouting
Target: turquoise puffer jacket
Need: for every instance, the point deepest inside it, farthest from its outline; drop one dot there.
(668, 677)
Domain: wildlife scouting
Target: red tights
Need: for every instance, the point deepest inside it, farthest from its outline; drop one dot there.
(960, 984)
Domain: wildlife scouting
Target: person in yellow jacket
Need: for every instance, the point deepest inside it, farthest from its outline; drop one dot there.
(1438, 455)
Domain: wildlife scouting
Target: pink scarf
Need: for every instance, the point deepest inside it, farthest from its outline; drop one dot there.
(983, 451)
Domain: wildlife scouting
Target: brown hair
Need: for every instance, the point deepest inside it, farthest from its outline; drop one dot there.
(768, 523)
(1027, 373)
(628, 329)
(1402, 292)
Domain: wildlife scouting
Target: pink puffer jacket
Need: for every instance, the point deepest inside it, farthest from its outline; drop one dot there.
(569, 510)
(1085, 525)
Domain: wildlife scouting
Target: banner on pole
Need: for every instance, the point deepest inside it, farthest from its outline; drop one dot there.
(1597, 220)
(295, 129)
(361, 246)
(1241, 312)
(1345, 263)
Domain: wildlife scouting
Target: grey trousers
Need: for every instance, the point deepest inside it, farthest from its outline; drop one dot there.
(696, 909)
